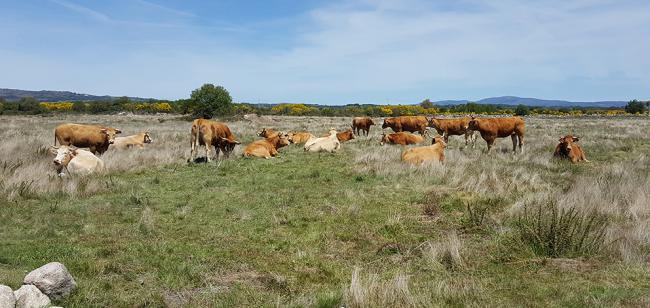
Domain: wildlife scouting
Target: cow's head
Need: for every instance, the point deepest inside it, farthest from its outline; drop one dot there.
(387, 122)
(266, 132)
(384, 139)
(110, 133)
(439, 140)
(433, 122)
(332, 132)
(370, 122)
(62, 154)
(284, 139)
(473, 123)
(566, 143)
(147, 138)
(228, 145)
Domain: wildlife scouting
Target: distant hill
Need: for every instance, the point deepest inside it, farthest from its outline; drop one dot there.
(535, 102)
(56, 96)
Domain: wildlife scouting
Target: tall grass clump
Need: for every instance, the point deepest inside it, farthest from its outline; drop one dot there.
(555, 232)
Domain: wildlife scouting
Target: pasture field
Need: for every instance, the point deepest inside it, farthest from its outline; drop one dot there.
(357, 228)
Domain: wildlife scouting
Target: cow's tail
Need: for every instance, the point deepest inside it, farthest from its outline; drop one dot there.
(54, 138)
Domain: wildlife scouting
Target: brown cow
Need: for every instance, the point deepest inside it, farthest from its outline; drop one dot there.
(267, 132)
(300, 137)
(211, 134)
(345, 136)
(493, 128)
(94, 137)
(420, 155)
(456, 127)
(407, 123)
(267, 147)
(402, 138)
(362, 124)
(569, 149)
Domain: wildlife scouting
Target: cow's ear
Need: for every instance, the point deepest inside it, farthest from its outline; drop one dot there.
(103, 130)
(117, 131)
(576, 139)
(54, 150)
(561, 139)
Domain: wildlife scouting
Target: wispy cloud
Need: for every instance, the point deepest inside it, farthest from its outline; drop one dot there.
(82, 10)
(166, 9)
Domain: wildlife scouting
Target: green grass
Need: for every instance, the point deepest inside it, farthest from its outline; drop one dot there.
(291, 231)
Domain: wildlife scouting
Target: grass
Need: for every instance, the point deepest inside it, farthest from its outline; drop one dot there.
(357, 228)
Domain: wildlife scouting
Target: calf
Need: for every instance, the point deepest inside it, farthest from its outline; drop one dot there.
(324, 144)
(402, 138)
(362, 124)
(268, 147)
(569, 149)
(75, 161)
(493, 128)
(300, 137)
(420, 155)
(94, 137)
(457, 127)
(345, 136)
(132, 141)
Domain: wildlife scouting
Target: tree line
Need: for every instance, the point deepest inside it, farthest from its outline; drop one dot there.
(209, 101)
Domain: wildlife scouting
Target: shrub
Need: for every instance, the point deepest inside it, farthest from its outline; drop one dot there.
(558, 232)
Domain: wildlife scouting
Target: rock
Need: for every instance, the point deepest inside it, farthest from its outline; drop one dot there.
(29, 296)
(7, 298)
(53, 279)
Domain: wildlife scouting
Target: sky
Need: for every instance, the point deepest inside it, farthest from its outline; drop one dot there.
(330, 52)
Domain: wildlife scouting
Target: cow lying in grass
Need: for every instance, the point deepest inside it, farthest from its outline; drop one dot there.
(133, 141)
(267, 147)
(401, 138)
(569, 149)
(324, 144)
(420, 155)
(75, 161)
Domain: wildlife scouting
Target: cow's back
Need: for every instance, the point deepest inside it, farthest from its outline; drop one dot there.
(79, 135)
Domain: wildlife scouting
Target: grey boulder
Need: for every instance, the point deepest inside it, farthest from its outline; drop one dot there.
(7, 298)
(53, 279)
(29, 296)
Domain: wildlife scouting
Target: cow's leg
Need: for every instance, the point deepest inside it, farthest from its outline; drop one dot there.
(521, 143)
(490, 143)
(207, 152)
(514, 143)
(473, 136)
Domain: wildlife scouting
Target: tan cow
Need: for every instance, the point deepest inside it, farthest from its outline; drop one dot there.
(211, 134)
(407, 123)
(300, 137)
(266, 132)
(493, 128)
(362, 124)
(402, 138)
(267, 147)
(324, 144)
(94, 137)
(133, 141)
(569, 149)
(455, 127)
(75, 161)
(420, 155)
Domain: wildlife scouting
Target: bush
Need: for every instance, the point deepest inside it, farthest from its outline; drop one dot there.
(210, 100)
(554, 232)
(635, 106)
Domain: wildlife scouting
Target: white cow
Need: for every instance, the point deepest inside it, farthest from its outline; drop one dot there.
(76, 161)
(324, 144)
(132, 141)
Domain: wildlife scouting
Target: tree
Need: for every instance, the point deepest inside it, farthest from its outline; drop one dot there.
(521, 110)
(426, 104)
(210, 100)
(635, 106)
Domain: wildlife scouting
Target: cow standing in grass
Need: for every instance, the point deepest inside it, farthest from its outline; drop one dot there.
(211, 134)
(94, 137)
(362, 124)
(569, 149)
(407, 123)
(456, 127)
(493, 128)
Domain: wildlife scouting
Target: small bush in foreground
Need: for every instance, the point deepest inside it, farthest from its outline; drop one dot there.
(554, 232)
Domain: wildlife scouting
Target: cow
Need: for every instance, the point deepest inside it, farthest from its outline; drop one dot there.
(344, 136)
(266, 132)
(132, 141)
(493, 128)
(362, 124)
(267, 147)
(402, 138)
(75, 161)
(569, 149)
(94, 137)
(323, 144)
(211, 134)
(447, 127)
(407, 123)
(420, 155)
(300, 137)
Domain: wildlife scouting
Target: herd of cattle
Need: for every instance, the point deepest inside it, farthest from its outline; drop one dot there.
(218, 136)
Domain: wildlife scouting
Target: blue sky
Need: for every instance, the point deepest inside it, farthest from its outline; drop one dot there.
(330, 52)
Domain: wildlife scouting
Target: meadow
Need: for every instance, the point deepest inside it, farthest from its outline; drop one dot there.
(357, 228)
